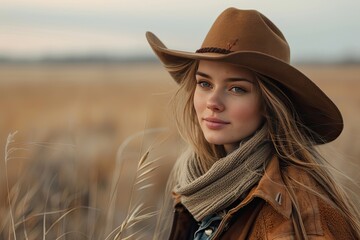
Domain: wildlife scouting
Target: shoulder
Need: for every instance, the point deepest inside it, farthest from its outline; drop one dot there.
(320, 217)
(318, 212)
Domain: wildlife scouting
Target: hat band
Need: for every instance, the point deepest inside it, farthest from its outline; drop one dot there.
(213, 50)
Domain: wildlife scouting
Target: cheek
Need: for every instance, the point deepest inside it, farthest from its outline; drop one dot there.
(198, 102)
(247, 111)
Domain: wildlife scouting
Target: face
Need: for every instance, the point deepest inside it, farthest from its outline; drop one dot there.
(227, 103)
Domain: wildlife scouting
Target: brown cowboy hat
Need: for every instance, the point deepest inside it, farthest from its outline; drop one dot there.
(249, 39)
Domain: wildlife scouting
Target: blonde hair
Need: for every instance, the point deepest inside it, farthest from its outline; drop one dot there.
(292, 141)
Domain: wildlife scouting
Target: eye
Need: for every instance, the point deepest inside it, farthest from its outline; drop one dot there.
(238, 90)
(204, 84)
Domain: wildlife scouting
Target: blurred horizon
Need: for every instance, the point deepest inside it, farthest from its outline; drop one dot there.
(106, 59)
(93, 30)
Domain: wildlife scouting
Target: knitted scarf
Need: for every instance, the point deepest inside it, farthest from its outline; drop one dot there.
(228, 179)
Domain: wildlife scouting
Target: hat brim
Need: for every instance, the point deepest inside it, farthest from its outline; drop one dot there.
(314, 107)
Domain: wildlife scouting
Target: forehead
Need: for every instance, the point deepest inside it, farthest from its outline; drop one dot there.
(221, 69)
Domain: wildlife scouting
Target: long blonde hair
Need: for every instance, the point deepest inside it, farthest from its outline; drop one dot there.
(292, 141)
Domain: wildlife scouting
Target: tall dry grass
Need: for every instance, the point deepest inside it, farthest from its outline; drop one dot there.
(65, 176)
(52, 201)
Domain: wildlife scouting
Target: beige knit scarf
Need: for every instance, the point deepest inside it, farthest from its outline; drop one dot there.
(228, 179)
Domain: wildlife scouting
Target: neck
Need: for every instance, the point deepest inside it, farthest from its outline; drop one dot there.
(229, 148)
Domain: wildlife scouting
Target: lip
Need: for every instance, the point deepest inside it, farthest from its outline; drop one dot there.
(215, 123)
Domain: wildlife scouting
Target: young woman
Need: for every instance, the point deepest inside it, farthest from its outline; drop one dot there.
(252, 122)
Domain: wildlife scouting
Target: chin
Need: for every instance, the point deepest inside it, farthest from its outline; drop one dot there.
(215, 141)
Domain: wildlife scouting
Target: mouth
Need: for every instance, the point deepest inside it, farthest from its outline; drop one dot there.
(215, 123)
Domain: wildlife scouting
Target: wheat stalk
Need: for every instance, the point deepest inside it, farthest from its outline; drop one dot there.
(8, 152)
(118, 169)
(137, 214)
(133, 218)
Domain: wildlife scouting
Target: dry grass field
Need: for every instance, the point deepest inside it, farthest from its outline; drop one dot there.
(82, 129)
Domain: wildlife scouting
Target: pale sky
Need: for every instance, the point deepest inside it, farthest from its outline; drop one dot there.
(319, 29)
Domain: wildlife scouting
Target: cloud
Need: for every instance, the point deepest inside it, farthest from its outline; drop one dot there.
(66, 26)
(42, 41)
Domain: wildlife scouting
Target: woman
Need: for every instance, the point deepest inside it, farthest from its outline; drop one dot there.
(251, 122)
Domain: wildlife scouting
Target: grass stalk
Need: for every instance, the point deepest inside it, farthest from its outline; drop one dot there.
(8, 151)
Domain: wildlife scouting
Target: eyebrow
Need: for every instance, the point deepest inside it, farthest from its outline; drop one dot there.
(231, 79)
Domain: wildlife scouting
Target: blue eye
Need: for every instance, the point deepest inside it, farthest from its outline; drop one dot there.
(238, 90)
(204, 84)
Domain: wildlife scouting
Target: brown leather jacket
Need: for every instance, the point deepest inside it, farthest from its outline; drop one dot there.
(266, 213)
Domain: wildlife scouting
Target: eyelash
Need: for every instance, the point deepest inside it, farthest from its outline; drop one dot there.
(242, 90)
(200, 83)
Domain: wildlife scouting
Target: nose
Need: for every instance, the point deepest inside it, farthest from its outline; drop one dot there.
(215, 103)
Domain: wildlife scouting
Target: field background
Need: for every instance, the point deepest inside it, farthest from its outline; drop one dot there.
(71, 121)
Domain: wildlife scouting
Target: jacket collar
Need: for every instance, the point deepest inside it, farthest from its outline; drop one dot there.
(272, 189)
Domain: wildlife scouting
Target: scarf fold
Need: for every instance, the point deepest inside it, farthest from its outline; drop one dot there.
(228, 179)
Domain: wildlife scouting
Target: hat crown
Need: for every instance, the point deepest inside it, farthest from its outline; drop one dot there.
(247, 30)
